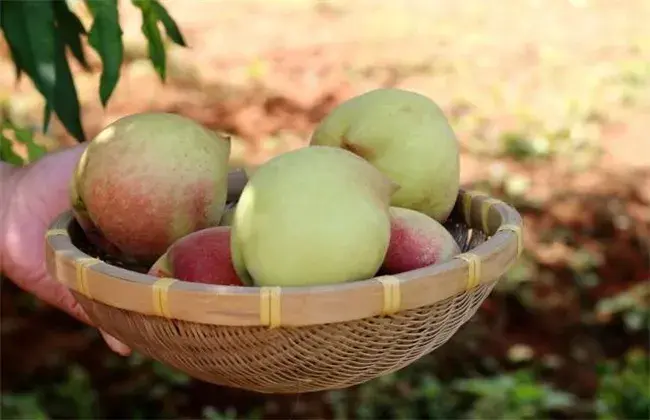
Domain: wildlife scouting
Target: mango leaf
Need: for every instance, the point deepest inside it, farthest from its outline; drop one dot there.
(105, 37)
(66, 100)
(47, 114)
(29, 27)
(18, 69)
(65, 96)
(150, 29)
(173, 32)
(71, 30)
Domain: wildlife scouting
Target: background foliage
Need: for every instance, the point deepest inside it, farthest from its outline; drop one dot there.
(38, 34)
(565, 334)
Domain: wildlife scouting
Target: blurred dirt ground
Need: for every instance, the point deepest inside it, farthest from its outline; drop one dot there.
(550, 99)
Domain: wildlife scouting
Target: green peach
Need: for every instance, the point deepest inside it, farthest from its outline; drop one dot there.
(406, 136)
(315, 215)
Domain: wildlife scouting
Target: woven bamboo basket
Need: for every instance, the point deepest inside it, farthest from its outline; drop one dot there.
(295, 339)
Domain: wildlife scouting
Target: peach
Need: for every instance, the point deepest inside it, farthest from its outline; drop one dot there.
(416, 241)
(406, 135)
(312, 216)
(200, 257)
(147, 180)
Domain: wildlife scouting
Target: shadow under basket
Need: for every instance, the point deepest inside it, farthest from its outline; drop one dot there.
(295, 339)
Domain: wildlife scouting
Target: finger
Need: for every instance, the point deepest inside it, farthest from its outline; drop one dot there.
(115, 345)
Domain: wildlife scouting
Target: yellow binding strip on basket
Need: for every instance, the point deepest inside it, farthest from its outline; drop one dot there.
(485, 211)
(474, 269)
(160, 290)
(81, 267)
(517, 231)
(56, 232)
(270, 306)
(392, 295)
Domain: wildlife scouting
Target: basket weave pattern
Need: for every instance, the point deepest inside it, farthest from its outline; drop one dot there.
(317, 355)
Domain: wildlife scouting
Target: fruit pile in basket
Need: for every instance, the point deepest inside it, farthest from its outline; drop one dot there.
(368, 195)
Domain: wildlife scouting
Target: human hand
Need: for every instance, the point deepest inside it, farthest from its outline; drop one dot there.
(33, 196)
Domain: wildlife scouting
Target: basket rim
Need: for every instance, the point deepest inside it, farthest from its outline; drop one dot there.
(295, 306)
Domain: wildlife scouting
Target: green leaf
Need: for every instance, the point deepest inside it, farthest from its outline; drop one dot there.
(29, 28)
(71, 30)
(173, 32)
(47, 114)
(22, 406)
(66, 101)
(7, 153)
(105, 36)
(152, 33)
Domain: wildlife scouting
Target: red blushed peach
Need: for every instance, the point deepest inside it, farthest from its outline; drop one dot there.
(200, 257)
(416, 241)
(147, 180)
